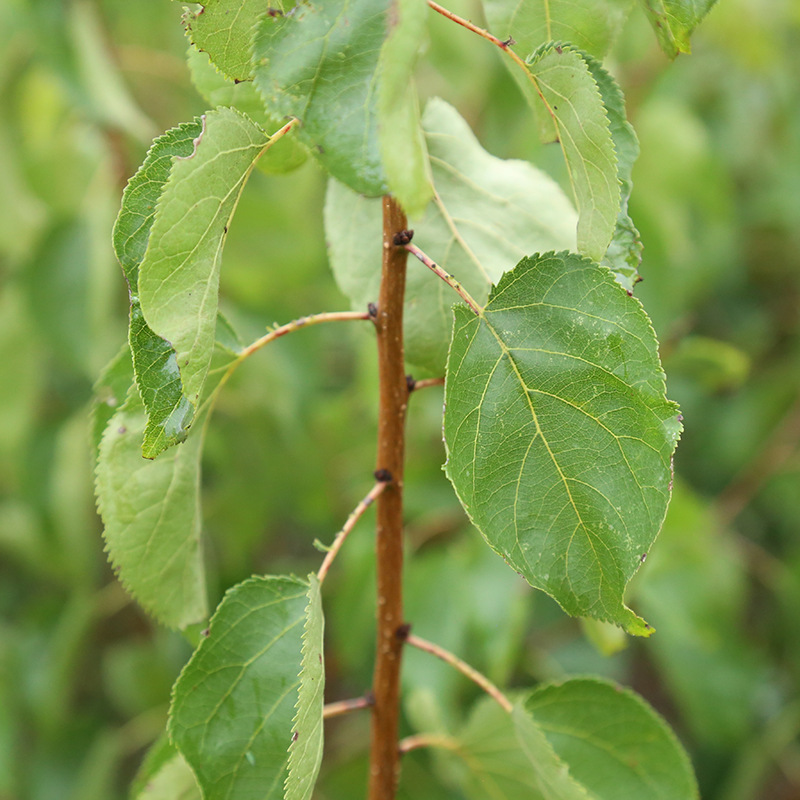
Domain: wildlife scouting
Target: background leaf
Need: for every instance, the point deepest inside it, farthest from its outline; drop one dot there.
(305, 751)
(224, 29)
(558, 433)
(179, 273)
(487, 213)
(320, 64)
(232, 707)
(614, 743)
(674, 22)
(563, 82)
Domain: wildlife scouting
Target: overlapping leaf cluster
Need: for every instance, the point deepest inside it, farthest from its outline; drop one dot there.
(558, 432)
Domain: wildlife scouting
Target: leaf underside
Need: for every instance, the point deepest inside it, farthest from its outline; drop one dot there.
(486, 215)
(233, 704)
(558, 432)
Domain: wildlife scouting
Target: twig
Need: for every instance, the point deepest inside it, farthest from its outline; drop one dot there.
(341, 707)
(426, 740)
(454, 661)
(413, 385)
(354, 517)
(445, 276)
(502, 44)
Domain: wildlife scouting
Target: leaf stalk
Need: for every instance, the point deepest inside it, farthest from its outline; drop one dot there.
(445, 276)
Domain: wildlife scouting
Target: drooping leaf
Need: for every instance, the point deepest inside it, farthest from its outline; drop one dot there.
(624, 254)
(674, 22)
(579, 122)
(320, 64)
(179, 273)
(486, 215)
(305, 751)
(225, 28)
(151, 513)
(155, 364)
(558, 433)
(505, 757)
(402, 142)
(233, 704)
(613, 742)
(591, 25)
(219, 90)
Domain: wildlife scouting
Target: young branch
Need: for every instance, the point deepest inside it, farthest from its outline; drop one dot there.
(462, 667)
(354, 517)
(341, 707)
(384, 755)
(445, 276)
(414, 386)
(502, 44)
(426, 740)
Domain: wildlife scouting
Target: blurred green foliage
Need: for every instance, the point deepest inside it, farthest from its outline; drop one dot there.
(85, 676)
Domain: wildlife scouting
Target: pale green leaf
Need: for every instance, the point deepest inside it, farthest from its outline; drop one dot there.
(219, 90)
(224, 29)
(151, 513)
(154, 360)
(591, 25)
(110, 392)
(179, 274)
(674, 22)
(305, 751)
(487, 214)
(402, 142)
(624, 254)
(164, 775)
(558, 433)
(504, 756)
(614, 743)
(320, 64)
(233, 704)
(562, 80)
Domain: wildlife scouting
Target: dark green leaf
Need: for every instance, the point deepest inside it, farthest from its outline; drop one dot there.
(487, 214)
(305, 751)
(674, 22)
(558, 433)
(561, 79)
(320, 64)
(224, 29)
(613, 742)
(233, 704)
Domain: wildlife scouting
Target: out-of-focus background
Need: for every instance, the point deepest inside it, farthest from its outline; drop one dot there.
(85, 675)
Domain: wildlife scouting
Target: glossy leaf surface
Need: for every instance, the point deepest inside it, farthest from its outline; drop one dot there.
(224, 29)
(591, 25)
(305, 751)
(233, 705)
(614, 743)
(486, 215)
(562, 80)
(179, 273)
(674, 22)
(320, 64)
(558, 433)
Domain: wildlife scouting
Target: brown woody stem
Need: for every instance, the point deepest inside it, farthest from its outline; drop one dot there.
(393, 391)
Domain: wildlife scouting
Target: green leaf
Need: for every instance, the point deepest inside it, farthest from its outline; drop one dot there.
(614, 743)
(320, 64)
(505, 757)
(674, 22)
(402, 142)
(224, 29)
(219, 90)
(164, 775)
(151, 513)
(179, 273)
(233, 704)
(305, 751)
(558, 433)
(591, 25)
(154, 359)
(624, 254)
(110, 392)
(487, 214)
(562, 80)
